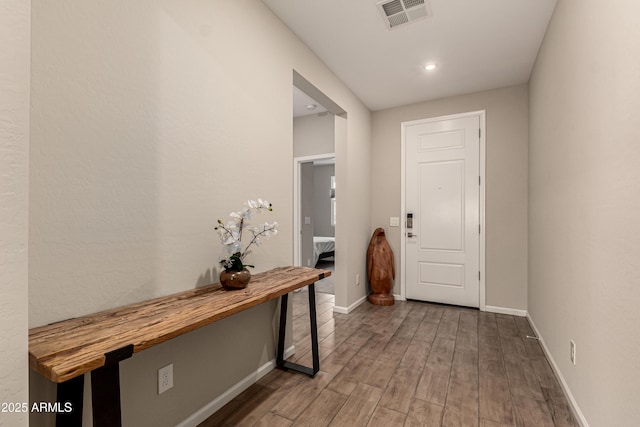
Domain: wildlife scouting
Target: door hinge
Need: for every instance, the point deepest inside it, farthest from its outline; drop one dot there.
(479, 133)
(479, 180)
(479, 228)
(478, 275)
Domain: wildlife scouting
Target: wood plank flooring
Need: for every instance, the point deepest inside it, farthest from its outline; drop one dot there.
(410, 364)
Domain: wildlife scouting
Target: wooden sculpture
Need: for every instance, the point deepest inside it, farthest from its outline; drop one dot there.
(381, 269)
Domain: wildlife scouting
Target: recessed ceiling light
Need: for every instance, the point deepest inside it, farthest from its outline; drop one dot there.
(430, 67)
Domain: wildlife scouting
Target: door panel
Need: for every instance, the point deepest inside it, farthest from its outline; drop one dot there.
(442, 274)
(442, 169)
(441, 193)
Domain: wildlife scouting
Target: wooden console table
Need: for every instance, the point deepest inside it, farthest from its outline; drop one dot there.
(64, 351)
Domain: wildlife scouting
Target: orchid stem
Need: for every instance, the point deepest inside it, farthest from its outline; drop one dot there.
(255, 237)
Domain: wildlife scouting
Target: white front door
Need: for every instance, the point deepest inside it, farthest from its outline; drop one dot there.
(442, 194)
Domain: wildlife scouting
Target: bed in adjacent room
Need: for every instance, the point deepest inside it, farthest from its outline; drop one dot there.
(323, 247)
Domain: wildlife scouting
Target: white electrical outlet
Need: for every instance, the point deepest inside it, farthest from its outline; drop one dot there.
(357, 279)
(394, 221)
(165, 378)
(572, 354)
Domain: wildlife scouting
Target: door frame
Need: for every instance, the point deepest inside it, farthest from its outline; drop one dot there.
(481, 114)
(297, 208)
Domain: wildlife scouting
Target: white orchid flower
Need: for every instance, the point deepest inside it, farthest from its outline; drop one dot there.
(232, 238)
(246, 213)
(231, 232)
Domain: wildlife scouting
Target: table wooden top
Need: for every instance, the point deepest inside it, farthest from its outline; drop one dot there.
(64, 350)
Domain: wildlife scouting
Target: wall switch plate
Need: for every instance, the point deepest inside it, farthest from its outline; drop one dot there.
(357, 279)
(307, 220)
(165, 378)
(394, 221)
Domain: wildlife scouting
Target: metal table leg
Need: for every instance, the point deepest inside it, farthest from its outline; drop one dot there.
(105, 394)
(280, 362)
(105, 389)
(70, 395)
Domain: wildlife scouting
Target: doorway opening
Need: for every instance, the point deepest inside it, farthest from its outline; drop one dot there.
(315, 216)
(318, 125)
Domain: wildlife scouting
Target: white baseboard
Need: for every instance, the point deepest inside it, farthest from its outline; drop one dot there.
(341, 310)
(565, 387)
(504, 310)
(398, 297)
(347, 310)
(210, 408)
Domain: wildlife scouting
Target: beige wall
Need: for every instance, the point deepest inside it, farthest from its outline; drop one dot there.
(353, 230)
(14, 186)
(584, 243)
(506, 183)
(313, 134)
(150, 120)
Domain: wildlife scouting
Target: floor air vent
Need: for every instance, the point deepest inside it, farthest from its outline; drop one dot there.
(397, 13)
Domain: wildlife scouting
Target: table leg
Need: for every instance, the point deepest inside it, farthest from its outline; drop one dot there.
(105, 389)
(280, 362)
(315, 351)
(70, 392)
(105, 396)
(284, 302)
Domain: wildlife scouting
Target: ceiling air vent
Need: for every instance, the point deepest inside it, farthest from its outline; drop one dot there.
(396, 13)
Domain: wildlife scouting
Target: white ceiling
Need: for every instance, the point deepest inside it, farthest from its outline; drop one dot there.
(477, 44)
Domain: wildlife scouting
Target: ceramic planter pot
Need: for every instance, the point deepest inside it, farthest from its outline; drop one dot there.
(235, 279)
